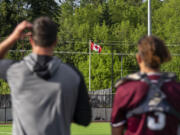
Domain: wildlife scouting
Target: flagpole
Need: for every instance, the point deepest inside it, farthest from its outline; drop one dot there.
(149, 18)
(89, 65)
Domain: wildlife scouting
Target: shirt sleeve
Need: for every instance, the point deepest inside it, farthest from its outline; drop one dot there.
(4, 66)
(118, 115)
(82, 113)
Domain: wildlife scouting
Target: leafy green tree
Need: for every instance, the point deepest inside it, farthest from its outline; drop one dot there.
(116, 25)
(38, 8)
(11, 13)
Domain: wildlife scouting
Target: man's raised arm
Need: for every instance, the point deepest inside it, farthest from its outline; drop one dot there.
(17, 34)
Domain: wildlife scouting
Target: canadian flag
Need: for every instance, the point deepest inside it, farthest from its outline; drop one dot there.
(95, 47)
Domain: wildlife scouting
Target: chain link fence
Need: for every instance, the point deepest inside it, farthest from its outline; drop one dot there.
(115, 65)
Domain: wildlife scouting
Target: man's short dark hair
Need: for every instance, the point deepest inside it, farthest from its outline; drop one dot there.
(44, 32)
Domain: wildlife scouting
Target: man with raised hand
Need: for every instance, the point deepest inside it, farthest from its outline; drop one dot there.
(47, 95)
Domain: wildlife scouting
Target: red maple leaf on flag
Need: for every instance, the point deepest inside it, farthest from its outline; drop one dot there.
(95, 47)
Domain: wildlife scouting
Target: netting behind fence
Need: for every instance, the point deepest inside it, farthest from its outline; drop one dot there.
(106, 68)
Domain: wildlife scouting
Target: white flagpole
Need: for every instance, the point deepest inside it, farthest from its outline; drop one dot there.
(89, 65)
(149, 18)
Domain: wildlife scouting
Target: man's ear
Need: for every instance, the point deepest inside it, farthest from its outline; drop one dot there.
(138, 58)
(31, 41)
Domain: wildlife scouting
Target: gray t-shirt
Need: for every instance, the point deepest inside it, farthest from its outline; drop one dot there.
(47, 95)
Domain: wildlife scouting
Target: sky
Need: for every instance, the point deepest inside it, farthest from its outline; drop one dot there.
(57, 1)
(146, 0)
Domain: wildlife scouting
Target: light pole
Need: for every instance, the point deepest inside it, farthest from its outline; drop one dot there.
(149, 18)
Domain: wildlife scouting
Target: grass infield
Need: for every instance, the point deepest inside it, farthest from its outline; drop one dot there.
(95, 128)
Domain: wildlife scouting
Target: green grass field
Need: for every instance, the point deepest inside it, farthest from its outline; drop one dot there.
(95, 128)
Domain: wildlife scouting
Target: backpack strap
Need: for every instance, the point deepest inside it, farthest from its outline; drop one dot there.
(165, 77)
(155, 99)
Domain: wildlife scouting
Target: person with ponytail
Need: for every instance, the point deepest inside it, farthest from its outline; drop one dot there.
(147, 102)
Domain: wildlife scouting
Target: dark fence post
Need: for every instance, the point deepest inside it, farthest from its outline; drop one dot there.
(112, 71)
(5, 107)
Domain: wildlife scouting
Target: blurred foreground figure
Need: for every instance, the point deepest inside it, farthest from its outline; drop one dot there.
(147, 102)
(47, 95)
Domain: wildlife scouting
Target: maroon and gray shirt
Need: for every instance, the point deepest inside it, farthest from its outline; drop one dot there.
(130, 94)
(47, 95)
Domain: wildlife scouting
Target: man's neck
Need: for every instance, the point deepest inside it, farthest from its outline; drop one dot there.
(42, 51)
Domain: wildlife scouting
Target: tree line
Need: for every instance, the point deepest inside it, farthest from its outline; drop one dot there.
(116, 25)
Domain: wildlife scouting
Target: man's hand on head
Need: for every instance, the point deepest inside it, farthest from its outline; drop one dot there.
(18, 32)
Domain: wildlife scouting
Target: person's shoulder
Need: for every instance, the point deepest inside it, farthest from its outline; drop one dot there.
(73, 69)
(131, 84)
(129, 79)
(5, 65)
(17, 64)
(8, 62)
(131, 90)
